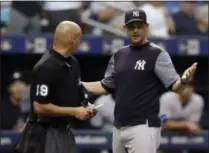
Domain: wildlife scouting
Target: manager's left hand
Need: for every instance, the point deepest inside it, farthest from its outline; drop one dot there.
(188, 73)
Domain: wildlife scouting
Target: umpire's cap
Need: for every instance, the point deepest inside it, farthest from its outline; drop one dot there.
(135, 15)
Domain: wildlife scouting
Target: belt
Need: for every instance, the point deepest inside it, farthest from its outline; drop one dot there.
(60, 126)
(53, 125)
(152, 122)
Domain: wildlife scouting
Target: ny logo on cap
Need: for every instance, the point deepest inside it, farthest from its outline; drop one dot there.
(136, 13)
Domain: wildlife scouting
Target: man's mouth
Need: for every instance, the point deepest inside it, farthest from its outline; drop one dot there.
(136, 36)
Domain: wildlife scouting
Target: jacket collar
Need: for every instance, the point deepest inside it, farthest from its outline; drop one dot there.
(61, 59)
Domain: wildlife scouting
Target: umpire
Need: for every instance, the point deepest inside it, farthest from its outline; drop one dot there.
(55, 97)
(138, 74)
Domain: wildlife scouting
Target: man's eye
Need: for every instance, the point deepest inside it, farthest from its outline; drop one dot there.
(138, 26)
(131, 27)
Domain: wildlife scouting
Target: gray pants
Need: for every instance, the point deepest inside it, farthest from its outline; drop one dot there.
(18, 23)
(136, 139)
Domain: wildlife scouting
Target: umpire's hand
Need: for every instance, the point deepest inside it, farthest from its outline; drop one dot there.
(92, 107)
(83, 113)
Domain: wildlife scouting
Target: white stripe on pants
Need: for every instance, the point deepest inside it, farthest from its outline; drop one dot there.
(136, 139)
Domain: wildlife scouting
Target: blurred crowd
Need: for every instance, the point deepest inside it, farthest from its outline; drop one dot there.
(166, 19)
(184, 112)
(104, 18)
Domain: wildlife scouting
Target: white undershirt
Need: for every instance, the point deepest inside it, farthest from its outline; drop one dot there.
(157, 20)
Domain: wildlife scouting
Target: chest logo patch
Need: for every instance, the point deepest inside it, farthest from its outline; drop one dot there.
(140, 65)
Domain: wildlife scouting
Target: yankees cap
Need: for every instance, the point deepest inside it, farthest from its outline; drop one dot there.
(135, 15)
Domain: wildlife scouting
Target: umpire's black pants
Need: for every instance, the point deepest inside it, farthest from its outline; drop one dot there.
(41, 138)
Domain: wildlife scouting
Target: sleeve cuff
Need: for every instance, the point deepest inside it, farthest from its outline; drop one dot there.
(169, 88)
(41, 101)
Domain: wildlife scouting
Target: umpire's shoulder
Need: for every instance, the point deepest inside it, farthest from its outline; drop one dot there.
(46, 64)
(44, 69)
(75, 63)
(74, 59)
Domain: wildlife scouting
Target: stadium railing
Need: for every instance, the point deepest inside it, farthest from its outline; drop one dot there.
(99, 45)
(102, 140)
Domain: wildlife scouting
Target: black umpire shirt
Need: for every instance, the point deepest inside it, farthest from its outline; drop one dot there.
(138, 76)
(55, 80)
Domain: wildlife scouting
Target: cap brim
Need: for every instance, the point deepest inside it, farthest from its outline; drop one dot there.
(134, 20)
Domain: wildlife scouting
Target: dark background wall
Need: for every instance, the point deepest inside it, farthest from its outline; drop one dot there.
(93, 68)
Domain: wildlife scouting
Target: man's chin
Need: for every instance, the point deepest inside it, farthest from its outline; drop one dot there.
(136, 42)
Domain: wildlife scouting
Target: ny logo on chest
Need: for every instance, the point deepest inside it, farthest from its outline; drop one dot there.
(140, 65)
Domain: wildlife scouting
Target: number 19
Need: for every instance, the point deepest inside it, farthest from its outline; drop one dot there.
(41, 90)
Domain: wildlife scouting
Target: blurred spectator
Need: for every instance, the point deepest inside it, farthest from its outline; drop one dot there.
(59, 11)
(102, 12)
(104, 118)
(183, 111)
(5, 7)
(202, 19)
(24, 17)
(160, 24)
(3, 28)
(25, 105)
(11, 112)
(185, 22)
(110, 13)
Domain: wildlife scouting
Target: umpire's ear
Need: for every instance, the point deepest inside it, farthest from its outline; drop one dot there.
(73, 40)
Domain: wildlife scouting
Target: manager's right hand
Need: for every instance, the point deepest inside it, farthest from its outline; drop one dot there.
(83, 113)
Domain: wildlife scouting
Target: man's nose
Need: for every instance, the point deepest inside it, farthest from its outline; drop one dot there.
(135, 29)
